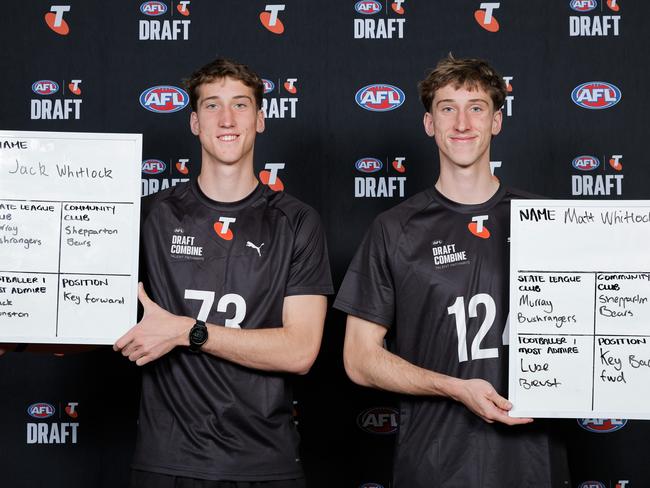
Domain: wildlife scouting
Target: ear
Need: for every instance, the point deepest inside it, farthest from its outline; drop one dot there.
(428, 124)
(194, 123)
(259, 124)
(497, 119)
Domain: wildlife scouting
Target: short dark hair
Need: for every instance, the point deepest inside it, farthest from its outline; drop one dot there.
(468, 72)
(224, 68)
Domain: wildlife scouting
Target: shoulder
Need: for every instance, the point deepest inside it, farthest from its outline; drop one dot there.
(296, 212)
(515, 193)
(397, 218)
(156, 202)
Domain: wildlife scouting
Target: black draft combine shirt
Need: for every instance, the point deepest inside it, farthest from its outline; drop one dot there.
(230, 264)
(435, 273)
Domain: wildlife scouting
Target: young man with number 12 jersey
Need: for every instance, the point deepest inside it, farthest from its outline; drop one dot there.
(431, 276)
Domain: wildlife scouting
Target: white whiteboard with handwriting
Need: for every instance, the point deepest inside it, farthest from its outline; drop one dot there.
(580, 309)
(69, 231)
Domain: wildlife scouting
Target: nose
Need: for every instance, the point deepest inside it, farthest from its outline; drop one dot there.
(461, 121)
(226, 118)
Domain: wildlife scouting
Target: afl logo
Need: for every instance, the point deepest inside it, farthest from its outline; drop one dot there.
(164, 99)
(368, 165)
(591, 484)
(371, 485)
(153, 8)
(378, 420)
(40, 410)
(45, 87)
(585, 163)
(583, 5)
(367, 7)
(602, 426)
(379, 97)
(153, 166)
(269, 86)
(596, 95)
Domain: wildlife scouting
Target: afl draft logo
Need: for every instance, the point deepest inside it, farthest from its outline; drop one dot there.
(269, 86)
(380, 97)
(153, 166)
(367, 7)
(40, 410)
(164, 99)
(368, 165)
(602, 426)
(583, 5)
(596, 95)
(585, 163)
(45, 87)
(378, 420)
(153, 8)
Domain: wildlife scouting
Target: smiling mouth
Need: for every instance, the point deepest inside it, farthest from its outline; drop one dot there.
(227, 137)
(462, 139)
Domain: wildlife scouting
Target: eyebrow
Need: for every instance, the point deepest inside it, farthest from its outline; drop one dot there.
(471, 100)
(217, 97)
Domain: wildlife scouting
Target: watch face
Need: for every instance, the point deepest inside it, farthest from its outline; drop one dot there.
(198, 335)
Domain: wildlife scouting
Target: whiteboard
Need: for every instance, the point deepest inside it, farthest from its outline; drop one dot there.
(69, 232)
(580, 309)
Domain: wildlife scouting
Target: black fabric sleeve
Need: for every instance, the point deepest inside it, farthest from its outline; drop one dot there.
(309, 273)
(368, 289)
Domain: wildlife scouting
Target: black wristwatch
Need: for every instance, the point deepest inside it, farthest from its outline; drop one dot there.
(198, 335)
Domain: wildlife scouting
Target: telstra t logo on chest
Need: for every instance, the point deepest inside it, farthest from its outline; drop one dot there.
(478, 228)
(222, 228)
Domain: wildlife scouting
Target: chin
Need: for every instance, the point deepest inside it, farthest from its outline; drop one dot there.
(464, 163)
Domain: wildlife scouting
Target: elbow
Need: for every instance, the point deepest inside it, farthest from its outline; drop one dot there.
(302, 364)
(353, 368)
(302, 371)
(302, 368)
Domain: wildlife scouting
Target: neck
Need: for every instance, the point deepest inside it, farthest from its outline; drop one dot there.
(224, 183)
(470, 186)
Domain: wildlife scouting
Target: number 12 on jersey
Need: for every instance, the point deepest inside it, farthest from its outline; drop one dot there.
(458, 310)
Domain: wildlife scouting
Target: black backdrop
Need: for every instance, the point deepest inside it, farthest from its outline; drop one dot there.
(117, 50)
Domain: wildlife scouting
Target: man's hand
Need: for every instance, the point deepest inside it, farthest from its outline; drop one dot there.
(481, 398)
(155, 335)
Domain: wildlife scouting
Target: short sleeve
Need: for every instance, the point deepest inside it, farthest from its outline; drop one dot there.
(368, 290)
(309, 273)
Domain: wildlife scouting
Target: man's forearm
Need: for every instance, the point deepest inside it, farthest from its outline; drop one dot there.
(378, 368)
(271, 349)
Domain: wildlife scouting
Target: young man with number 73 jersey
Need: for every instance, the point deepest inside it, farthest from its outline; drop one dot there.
(236, 274)
(431, 276)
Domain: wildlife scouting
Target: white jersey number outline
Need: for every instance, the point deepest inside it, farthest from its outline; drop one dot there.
(458, 309)
(207, 297)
